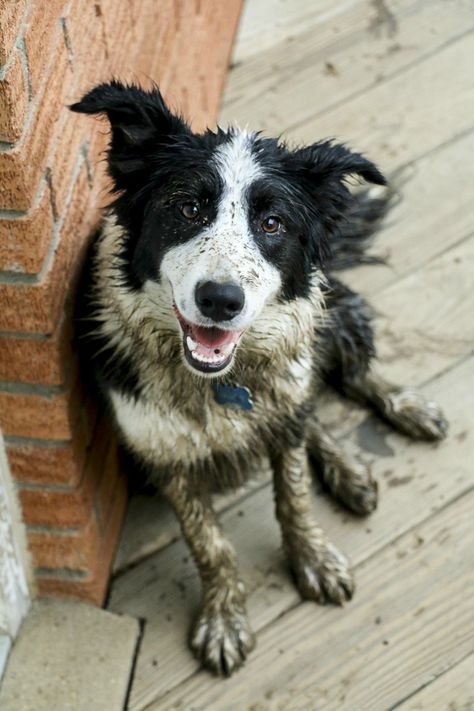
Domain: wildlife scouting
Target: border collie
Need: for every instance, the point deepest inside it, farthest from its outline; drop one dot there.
(211, 321)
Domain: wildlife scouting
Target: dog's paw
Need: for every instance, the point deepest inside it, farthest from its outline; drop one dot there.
(324, 575)
(221, 638)
(415, 416)
(351, 483)
(360, 495)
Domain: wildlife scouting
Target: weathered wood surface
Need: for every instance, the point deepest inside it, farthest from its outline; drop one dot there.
(394, 79)
(400, 630)
(342, 57)
(453, 690)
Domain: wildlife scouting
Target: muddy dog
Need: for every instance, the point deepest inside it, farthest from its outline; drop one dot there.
(211, 320)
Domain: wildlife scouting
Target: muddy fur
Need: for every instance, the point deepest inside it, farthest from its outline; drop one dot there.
(305, 331)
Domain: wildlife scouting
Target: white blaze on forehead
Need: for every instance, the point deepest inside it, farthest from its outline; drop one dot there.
(225, 251)
(237, 166)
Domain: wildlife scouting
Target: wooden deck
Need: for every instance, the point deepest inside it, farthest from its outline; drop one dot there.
(394, 79)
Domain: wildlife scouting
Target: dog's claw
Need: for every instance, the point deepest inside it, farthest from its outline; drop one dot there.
(221, 639)
(326, 577)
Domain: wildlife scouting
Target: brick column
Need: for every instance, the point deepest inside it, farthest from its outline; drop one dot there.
(52, 186)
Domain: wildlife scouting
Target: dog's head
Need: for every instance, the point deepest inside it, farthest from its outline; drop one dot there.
(222, 224)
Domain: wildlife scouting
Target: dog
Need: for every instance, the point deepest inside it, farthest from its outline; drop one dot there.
(211, 321)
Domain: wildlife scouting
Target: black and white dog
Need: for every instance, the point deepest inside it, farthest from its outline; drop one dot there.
(211, 321)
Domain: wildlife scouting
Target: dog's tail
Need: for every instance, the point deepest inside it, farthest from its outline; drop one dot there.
(356, 231)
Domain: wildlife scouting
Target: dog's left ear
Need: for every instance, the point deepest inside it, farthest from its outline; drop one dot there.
(332, 162)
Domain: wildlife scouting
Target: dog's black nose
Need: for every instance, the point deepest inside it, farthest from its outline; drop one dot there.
(221, 302)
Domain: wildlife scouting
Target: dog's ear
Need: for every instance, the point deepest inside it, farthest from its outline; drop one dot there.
(332, 162)
(139, 120)
(321, 171)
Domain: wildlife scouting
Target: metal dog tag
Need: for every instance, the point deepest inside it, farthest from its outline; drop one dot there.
(232, 395)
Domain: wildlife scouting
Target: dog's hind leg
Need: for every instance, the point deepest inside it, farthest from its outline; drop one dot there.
(347, 351)
(221, 637)
(406, 409)
(322, 573)
(346, 478)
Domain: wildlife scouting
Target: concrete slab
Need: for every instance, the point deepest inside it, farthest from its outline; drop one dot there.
(5, 644)
(70, 656)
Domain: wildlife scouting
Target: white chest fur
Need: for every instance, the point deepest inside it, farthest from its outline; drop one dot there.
(164, 434)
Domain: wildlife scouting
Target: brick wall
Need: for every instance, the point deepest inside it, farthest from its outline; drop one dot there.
(52, 185)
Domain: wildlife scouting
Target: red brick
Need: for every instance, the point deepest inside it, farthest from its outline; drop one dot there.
(53, 463)
(11, 12)
(108, 484)
(22, 167)
(92, 587)
(197, 45)
(42, 35)
(48, 360)
(37, 308)
(88, 44)
(70, 132)
(13, 101)
(40, 416)
(24, 241)
(68, 507)
(123, 29)
(76, 549)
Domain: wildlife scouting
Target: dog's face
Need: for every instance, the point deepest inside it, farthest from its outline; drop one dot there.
(220, 225)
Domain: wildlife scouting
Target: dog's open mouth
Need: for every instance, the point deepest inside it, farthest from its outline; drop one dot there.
(208, 350)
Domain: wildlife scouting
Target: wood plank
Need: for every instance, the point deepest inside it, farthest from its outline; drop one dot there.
(433, 104)
(401, 630)
(424, 321)
(340, 58)
(267, 23)
(452, 690)
(415, 480)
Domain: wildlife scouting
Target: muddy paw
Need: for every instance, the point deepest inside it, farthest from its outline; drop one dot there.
(221, 639)
(361, 497)
(355, 488)
(324, 576)
(417, 417)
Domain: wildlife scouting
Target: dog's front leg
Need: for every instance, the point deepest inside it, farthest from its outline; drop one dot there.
(322, 573)
(221, 637)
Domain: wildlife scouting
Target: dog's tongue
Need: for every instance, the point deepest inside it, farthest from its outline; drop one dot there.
(213, 337)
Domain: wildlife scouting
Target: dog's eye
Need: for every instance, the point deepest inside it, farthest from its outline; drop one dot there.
(190, 210)
(271, 224)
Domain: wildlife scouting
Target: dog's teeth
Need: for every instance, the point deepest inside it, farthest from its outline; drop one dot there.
(227, 349)
(204, 359)
(190, 343)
